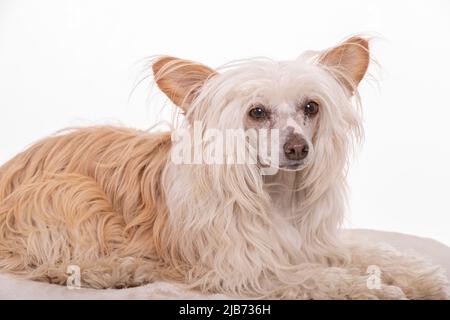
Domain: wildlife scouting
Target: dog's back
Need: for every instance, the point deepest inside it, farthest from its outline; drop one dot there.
(79, 198)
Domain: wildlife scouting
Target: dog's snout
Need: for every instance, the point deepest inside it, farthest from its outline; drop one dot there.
(296, 148)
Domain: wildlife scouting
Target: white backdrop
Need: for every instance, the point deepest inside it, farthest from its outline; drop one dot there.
(68, 63)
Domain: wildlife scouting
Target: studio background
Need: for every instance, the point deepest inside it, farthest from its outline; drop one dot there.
(65, 63)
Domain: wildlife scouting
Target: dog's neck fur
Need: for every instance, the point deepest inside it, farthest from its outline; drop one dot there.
(281, 188)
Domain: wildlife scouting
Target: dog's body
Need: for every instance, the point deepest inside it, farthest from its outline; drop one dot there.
(112, 202)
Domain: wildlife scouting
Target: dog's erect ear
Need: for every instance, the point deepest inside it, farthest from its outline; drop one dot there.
(348, 61)
(180, 79)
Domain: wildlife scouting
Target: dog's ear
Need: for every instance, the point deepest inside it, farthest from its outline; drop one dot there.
(179, 79)
(348, 62)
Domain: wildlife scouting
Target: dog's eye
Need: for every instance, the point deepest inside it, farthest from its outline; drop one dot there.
(257, 113)
(311, 108)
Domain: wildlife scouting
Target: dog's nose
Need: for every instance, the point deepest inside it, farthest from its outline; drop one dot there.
(296, 148)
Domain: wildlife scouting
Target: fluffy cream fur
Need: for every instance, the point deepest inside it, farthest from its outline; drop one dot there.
(111, 201)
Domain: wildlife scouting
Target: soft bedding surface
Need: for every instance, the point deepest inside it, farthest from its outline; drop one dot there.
(12, 288)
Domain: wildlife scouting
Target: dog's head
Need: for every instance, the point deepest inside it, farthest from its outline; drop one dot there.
(307, 100)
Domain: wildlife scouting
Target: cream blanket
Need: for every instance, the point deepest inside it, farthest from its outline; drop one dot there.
(11, 288)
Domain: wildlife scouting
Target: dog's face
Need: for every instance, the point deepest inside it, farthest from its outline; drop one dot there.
(293, 112)
(298, 98)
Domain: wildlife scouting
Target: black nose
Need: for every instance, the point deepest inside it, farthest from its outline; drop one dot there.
(296, 148)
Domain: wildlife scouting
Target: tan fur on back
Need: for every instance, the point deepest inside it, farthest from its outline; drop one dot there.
(88, 197)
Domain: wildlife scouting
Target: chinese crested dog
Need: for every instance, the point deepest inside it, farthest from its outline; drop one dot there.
(113, 202)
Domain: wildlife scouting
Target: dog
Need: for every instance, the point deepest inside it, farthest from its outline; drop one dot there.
(113, 202)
